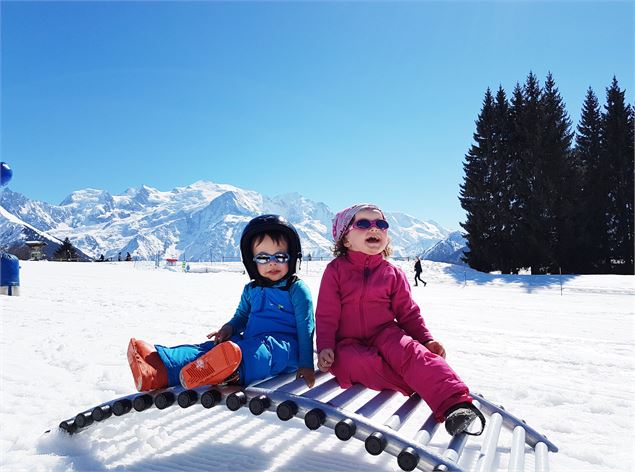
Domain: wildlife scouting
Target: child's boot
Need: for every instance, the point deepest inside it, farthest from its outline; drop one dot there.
(213, 367)
(459, 417)
(147, 368)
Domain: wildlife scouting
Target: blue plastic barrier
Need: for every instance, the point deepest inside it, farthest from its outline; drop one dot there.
(9, 274)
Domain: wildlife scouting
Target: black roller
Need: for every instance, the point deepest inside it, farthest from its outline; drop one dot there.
(142, 402)
(211, 398)
(408, 459)
(69, 426)
(259, 404)
(121, 407)
(375, 443)
(84, 419)
(314, 419)
(236, 400)
(164, 400)
(287, 410)
(100, 413)
(345, 429)
(187, 398)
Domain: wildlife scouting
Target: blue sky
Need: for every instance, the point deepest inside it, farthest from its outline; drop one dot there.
(341, 102)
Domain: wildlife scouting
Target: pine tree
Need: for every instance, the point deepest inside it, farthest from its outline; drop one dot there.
(518, 184)
(504, 222)
(475, 192)
(555, 179)
(531, 238)
(617, 125)
(66, 251)
(534, 202)
(539, 212)
(591, 193)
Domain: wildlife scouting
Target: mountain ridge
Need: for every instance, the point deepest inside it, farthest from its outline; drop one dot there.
(200, 221)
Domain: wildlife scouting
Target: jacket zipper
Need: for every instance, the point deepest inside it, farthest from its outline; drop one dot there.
(362, 313)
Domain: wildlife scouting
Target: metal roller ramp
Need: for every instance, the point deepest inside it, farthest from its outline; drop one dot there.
(383, 421)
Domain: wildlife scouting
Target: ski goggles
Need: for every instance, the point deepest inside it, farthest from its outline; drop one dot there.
(264, 258)
(381, 225)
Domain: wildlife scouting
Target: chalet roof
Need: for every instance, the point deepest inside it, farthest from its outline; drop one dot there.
(35, 243)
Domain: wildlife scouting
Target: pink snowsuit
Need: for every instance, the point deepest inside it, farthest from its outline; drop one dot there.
(366, 314)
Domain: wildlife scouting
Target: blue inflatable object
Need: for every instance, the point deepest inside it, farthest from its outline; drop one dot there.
(9, 274)
(5, 174)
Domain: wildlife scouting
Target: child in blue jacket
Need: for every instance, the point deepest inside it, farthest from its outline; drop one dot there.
(270, 333)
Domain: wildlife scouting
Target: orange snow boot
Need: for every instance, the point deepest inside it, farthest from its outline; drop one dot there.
(147, 368)
(213, 367)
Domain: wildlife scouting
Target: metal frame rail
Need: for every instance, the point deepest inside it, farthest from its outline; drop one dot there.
(290, 398)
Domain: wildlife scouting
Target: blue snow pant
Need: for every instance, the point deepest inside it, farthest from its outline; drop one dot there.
(262, 357)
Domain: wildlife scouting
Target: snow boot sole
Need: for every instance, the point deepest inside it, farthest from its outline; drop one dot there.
(213, 367)
(460, 417)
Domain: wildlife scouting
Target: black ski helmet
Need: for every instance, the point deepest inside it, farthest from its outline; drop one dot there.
(262, 224)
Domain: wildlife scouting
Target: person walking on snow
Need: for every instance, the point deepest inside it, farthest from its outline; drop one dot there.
(370, 331)
(270, 333)
(418, 271)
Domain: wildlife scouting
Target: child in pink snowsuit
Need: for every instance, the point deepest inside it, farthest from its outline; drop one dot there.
(370, 331)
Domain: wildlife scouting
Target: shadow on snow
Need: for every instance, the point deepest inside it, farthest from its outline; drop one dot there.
(467, 276)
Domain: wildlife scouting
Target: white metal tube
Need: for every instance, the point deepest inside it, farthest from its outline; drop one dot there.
(399, 417)
(517, 455)
(369, 409)
(455, 448)
(424, 435)
(541, 454)
(490, 441)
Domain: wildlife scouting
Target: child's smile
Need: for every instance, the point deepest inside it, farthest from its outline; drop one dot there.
(370, 241)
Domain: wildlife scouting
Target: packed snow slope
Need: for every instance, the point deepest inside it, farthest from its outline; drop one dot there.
(562, 361)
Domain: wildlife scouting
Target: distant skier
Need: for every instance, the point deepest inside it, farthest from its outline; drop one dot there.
(418, 271)
(271, 332)
(128, 257)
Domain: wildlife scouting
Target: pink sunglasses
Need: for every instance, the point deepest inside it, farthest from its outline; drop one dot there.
(381, 225)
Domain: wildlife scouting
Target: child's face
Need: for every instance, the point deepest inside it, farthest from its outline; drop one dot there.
(370, 241)
(272, 270)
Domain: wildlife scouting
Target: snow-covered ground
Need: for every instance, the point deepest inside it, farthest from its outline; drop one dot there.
(563, 362)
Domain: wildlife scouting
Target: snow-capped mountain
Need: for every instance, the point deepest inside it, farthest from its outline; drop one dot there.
(14, 232)
(448, 250)
(198, 222)
(412, 236)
